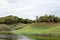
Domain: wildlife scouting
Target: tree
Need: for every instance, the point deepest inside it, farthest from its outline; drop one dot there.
(2, 20)
(44, 18)
(27, 21)
(50, 18)
(21, 20)
(11, 19)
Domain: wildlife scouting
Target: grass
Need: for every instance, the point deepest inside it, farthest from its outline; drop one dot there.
(39, 28)
(34, 30)
(13, 26)
(44, 38)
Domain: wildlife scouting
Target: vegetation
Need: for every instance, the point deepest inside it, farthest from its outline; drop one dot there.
(13, 20)
(44, 38)
(47, 27)
(34, 28)
(48, 18)
(40, 31)
(39, 28)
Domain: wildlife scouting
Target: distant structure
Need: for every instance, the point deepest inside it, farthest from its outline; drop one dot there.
(37, 18)
(53, 14)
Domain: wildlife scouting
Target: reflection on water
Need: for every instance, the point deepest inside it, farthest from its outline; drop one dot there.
(1, 39)
(21, 37)
(24, 37)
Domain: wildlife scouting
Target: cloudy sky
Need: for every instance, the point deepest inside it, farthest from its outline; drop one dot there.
(29, 8)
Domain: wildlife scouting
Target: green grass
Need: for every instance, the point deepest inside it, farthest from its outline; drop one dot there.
(34, 30)
(44, 38)
(13, 26)
(39, 28)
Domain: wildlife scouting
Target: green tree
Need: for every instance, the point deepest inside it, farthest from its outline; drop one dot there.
(27, 21)
(11, 19)
(21, 20)
(50, 18)
(2, 20)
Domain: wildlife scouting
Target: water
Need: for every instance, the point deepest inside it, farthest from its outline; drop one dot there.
(24, 37)
(1, 39)
(21, 37)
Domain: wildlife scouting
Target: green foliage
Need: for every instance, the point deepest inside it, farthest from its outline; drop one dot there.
(39, 28)
(50, 18)
(2, 20)
(13, 20)
(21, 20)
(27, 21)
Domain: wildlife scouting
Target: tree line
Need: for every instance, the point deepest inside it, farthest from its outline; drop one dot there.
(13, 20)
(47, 18)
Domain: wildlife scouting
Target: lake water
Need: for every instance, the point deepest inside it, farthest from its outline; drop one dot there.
(21, 37)
(24, 37)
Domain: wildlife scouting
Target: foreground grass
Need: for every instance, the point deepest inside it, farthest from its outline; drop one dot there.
(12, 26)
(35, 30)
(44, 38)
(39, 28)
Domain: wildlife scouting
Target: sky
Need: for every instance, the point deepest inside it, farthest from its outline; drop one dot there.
(29, 8)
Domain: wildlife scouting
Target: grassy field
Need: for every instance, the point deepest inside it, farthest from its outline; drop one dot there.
(44, 38)
(13, 26)
(39, 28)
(36, 30)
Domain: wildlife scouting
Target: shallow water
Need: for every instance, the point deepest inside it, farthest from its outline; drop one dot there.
(24, 37)
(21, 37)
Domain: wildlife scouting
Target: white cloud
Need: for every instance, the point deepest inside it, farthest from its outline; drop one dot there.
(28, 8)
